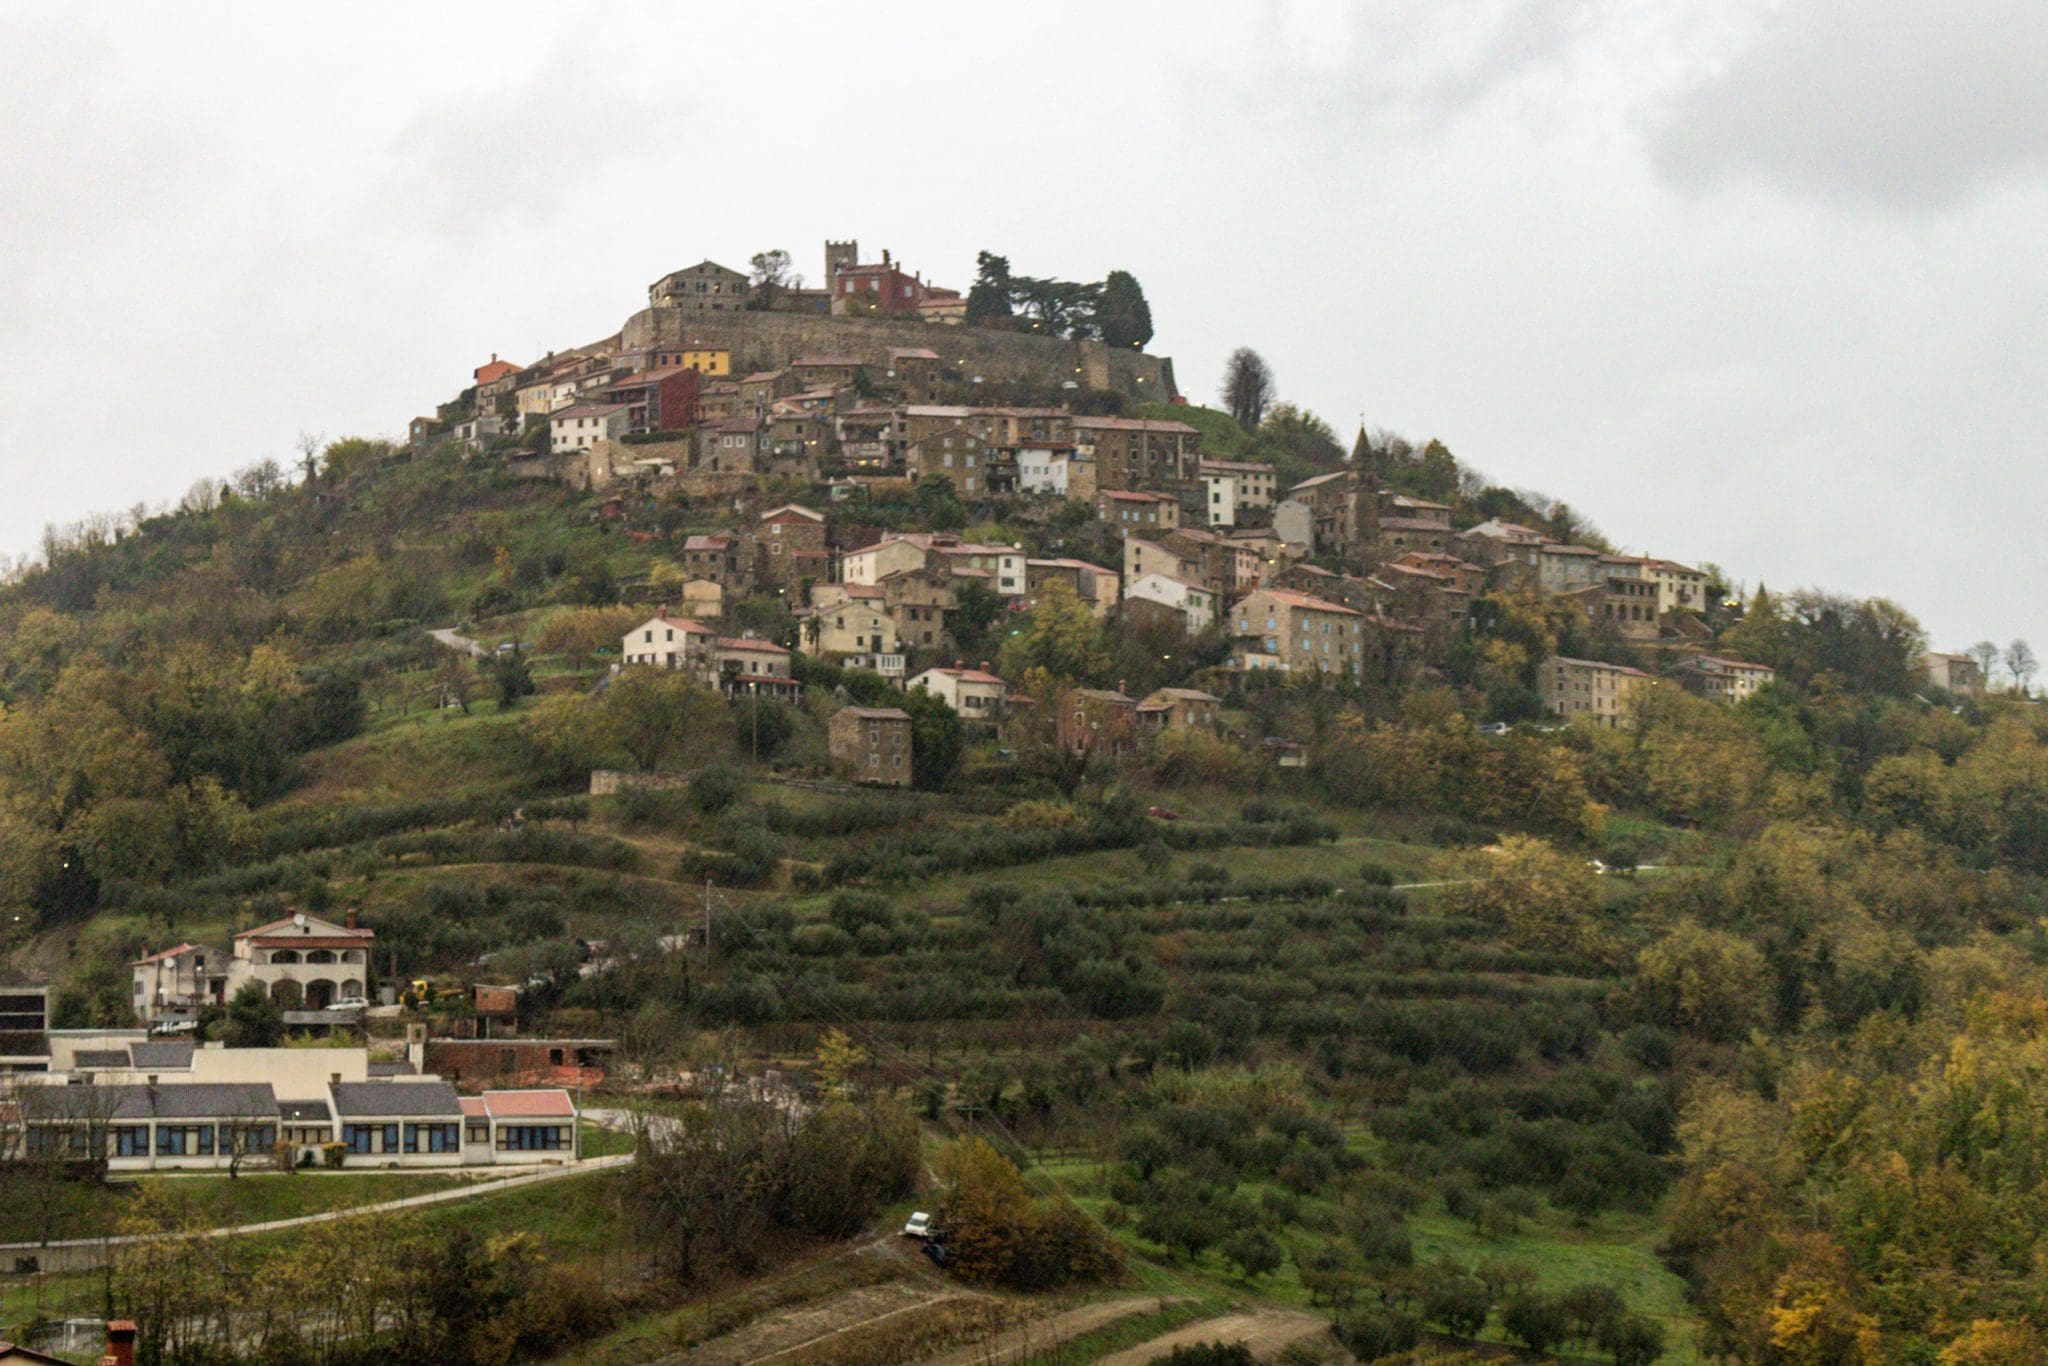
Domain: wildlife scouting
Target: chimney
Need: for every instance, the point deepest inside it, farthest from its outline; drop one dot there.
(351, 917)
(120, 1343)
(885, 256)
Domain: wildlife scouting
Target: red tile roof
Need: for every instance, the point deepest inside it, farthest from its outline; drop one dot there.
(1306, 601)
(529, 1105)
(162, 954)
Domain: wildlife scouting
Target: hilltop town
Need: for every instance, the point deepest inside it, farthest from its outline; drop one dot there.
(794, 421)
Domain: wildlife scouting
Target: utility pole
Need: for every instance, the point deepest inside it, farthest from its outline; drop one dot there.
(707, 917)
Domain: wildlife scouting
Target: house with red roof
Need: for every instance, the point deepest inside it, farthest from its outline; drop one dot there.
(495, 370)
(976, 694)
(1278, 628)
(667, 642)
(303, 959)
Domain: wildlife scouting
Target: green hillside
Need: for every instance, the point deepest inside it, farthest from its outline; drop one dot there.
(1376, 1037)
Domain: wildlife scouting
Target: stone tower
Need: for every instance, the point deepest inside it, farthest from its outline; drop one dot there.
(1363, 497)
(839, 254)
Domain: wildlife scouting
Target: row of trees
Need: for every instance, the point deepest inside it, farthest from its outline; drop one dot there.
(1112, 310)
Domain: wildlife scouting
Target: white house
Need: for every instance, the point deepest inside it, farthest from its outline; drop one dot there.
(1046, 469)
(1196, 604)
(580, 427)
(975, 694)
(666, 642)
(302, 958)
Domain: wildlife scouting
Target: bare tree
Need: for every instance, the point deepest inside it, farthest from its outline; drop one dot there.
(308, 446)
(1986, 654)
(203, 496)
(770, 276)
(1247, 386)
(2021, 664)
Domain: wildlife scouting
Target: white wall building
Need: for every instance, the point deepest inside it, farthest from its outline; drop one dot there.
(583, 426)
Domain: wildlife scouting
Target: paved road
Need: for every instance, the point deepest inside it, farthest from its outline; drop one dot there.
(81, 1254)
(457, 642)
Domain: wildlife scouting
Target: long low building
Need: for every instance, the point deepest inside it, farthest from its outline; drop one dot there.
(216, 1107)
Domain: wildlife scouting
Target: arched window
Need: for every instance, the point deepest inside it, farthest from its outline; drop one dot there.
(284, 955)
(320, 955)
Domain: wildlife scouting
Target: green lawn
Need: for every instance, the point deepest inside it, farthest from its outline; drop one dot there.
(1616, 1250)
(83, 1210)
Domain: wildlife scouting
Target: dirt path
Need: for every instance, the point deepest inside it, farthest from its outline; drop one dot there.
(787, 1330)
(1020, 1344)
(1267, 1333)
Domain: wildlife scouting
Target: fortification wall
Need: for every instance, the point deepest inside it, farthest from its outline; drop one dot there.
(771, 340)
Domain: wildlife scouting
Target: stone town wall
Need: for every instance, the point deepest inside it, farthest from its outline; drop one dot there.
(765, 341)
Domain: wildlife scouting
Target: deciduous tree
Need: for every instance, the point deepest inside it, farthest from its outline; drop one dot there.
(1247, 387)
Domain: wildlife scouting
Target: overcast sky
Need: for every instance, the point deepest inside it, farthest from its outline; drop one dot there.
(1763, 285)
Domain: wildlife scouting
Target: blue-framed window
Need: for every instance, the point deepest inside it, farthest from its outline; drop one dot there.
(184, 1140)
(433, 1138)
(533, 1137)
(131, 1140)
(361, 1138)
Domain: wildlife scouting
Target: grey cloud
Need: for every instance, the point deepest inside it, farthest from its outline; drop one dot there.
(1896, 102)
(519, 150)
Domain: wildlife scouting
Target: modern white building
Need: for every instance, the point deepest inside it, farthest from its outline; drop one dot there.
(150, 1106)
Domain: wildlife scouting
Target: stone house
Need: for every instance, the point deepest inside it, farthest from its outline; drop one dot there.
(1413, 524)
(706, 287)
(1564, 568)
(1721, 680)
(1574, 688)
(914, 370)
(1957, 674)
(1125, 510)
(1276, 628)
(1136, 453)
(1097, 720)
(172, 985)
(871, 744)
(760, 390)
(1179, 709)
(792, 545)
(1091, 583)
(738, 445)
(1234, 487)
(825, 372)
(1629, 603)
(721, 559)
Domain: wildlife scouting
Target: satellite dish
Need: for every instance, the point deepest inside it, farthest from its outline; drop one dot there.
(300, 920)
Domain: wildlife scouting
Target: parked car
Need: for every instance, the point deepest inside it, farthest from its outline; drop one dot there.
(1495, 728)
(920, 1226)
(348, 1004)
(940, 1254)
